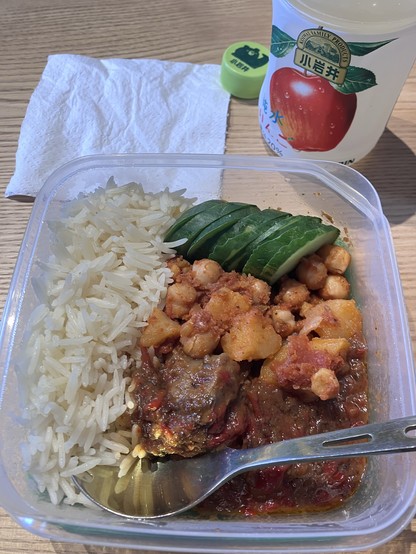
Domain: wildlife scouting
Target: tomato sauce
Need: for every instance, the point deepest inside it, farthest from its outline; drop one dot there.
(303, 487)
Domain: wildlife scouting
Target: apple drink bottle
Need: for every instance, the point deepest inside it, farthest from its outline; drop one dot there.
(335, 72)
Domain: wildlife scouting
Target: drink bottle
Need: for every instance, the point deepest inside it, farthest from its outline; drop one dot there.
(334, 75)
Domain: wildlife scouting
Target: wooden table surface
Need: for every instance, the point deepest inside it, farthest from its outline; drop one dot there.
(181, 30)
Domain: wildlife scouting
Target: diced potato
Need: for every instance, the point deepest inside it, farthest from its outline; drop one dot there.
(160, 328)
(225, 304)
(251, 337)
(334, 347)
(178, 265)
(306, 306)
(267, 373)
(346, 320)
(304, 309)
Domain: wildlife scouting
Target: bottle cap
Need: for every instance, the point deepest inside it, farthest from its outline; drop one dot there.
(243, 68)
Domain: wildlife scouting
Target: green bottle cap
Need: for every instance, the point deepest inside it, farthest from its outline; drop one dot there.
(243, 68)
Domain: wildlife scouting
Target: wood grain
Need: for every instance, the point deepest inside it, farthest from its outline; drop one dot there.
(182, 30)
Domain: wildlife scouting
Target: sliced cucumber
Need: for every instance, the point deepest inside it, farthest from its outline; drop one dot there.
(263, 249)
(264, 243)
(232, 243)
(292, 248)
(244, 255)
(204, 242)
(263, 252)
(200, 221)
(327, 236)
(189, 214)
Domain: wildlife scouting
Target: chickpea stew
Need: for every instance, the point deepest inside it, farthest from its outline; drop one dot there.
(234, 361)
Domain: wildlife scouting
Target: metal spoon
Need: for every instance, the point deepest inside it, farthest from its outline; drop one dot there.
(167, 487)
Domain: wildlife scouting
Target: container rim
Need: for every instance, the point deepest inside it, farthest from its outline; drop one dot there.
(335, 175)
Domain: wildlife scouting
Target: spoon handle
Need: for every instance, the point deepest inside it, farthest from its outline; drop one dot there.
(375, 438)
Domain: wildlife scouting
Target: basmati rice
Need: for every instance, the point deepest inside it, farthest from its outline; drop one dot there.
(106, 274)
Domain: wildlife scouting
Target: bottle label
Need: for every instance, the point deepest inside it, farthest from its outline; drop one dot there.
(328, 94)
(323, 53)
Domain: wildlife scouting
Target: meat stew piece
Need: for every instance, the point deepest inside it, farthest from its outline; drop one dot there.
(187, 406)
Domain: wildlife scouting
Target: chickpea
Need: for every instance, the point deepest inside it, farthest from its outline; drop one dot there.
(312, 272)
(283, 321)
(292, 294)
(199, 336)
(198, 346)
(206, 272)
(258, 290)
(324, 384)
(336, 286)
(180, 298)
(335, 258)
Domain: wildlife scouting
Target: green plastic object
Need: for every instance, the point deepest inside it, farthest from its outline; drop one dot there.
(243, 69)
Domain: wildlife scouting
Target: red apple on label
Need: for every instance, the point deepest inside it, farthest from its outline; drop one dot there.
(313, 116)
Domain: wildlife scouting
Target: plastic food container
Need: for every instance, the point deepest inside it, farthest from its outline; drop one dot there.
(384, 503)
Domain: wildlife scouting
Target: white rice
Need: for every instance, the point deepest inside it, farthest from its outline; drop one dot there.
(105, 276)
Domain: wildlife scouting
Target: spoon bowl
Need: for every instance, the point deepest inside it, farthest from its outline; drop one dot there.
(164, 487)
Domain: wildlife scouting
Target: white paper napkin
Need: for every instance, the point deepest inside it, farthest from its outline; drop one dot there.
(87, 106)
